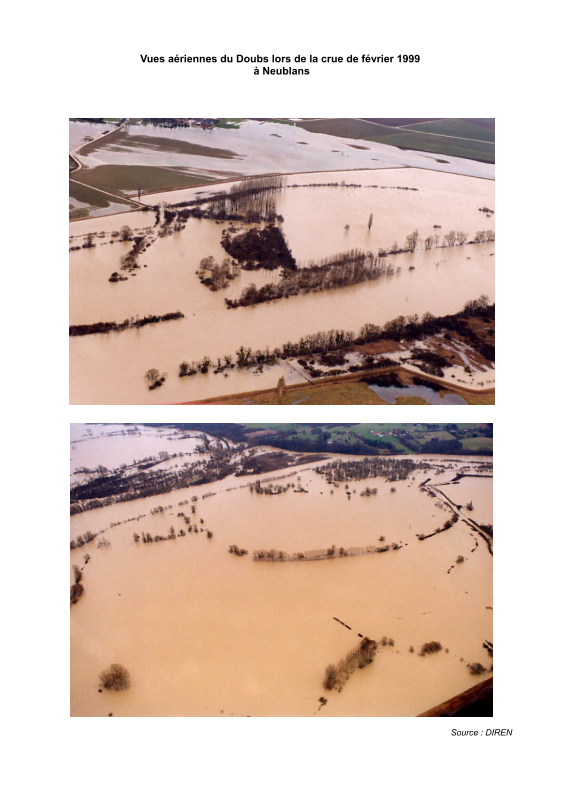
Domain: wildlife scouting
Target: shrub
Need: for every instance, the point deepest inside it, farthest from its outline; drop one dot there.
(430, 647)
(331, 677)
(358, 658)
(76, 592)
(116, 678)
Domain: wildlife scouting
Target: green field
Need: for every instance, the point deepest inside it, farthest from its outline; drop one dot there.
(475, 444)
(90, 196)
(351, 128)
(120, 179)
(455, 127)
(390, 438)
(230, 122)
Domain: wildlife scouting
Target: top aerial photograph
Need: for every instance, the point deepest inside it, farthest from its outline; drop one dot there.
(282, 261)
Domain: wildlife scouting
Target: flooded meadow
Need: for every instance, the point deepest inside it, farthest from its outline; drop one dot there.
(252, 148)
(206, 632)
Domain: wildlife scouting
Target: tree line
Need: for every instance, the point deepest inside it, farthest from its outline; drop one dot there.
(340, 270)
(280, 556)
(402, 327)
(102, 327)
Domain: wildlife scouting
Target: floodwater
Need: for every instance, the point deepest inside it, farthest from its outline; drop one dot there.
(474, 490)
(78, 131)
(264, 148)
(391, 394)
(110, 368)
(111, 445)
(206, 633)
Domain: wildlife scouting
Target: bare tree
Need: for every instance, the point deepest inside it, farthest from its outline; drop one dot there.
(370, 221)
(412, 240)
(116, 678)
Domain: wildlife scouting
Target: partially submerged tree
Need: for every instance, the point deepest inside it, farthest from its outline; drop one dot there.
(76, 592)
(430, 647)
(115, 678)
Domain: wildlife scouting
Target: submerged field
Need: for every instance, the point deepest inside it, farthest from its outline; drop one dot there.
(205, 632)
(167, 158)
(320, 218)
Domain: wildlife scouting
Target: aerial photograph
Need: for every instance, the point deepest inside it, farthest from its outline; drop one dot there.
(281, 570)
(286, 261)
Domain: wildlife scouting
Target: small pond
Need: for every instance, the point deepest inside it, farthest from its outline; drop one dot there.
(391, 394)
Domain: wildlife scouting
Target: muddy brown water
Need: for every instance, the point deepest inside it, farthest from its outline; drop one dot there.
(110, 368)
(206, 633)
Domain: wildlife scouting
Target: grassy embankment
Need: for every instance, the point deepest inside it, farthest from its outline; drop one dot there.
(352, 392)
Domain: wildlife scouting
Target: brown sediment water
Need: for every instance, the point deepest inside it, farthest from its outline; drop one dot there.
(206, 633)
(475, 490)
(110, 368)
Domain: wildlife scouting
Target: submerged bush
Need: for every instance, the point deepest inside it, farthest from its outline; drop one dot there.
(358, 658)
(76, 592)
(430, 647)
(116, 678)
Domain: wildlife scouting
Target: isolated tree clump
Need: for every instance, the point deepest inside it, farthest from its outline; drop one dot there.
(358, 658)
(430, 647)
(115, 678)
(76, 592)
(476, 669)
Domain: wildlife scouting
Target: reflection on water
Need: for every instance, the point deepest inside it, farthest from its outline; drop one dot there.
(391, 394)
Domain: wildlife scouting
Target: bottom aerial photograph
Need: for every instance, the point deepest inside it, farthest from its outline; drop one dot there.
(281, 570)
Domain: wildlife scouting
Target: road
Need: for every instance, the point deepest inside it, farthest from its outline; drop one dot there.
(74, 154)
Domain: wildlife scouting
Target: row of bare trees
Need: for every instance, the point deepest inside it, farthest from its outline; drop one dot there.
(400, 328)
(279, 556)
(339, 270)
(449, 240)
(336, 675)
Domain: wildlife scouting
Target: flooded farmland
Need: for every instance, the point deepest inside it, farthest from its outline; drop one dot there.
(257, 148)
(205, 632)
(317, 221)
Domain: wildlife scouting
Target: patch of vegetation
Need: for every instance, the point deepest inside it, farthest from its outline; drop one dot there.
(361, 656)
(129, 323)
(339, 270)
(260, 248)
(115, 678)
(430, 647)
(476, 668)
